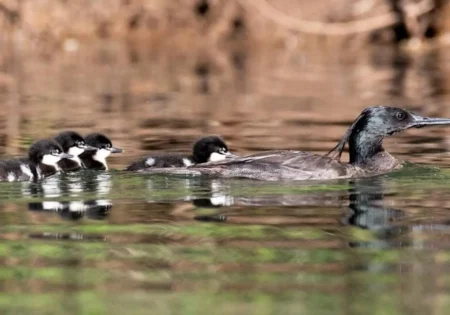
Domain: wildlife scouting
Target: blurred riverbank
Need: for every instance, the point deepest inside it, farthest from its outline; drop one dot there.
(48, 25)
(172, 73)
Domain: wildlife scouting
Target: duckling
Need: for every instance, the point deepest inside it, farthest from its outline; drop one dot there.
(42, 161)
(206, 149)
(96, 159)
(73, 144)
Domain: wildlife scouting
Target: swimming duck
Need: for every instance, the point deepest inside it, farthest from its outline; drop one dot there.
(72, 143)
(206, 149)
(364, 138)
(96, 159)
(42, 161)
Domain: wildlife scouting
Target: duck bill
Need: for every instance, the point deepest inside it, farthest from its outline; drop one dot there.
(65, 156)
(88, 148)
(115, 150)
(420, 121)
(230, 155)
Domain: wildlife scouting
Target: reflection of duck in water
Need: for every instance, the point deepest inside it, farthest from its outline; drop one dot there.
(74, 185)
(365, 202)
(366, 205)
(364, 137)
(75, 210)
(77, 237)
(207, 149)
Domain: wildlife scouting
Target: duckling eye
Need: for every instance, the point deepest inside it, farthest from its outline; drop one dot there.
(400, 116)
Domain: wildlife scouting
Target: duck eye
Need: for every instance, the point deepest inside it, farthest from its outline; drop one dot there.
(400, 116)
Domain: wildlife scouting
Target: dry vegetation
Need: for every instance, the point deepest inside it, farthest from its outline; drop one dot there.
(53, 24)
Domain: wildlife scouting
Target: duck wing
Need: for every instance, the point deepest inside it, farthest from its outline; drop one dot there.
(277, 165)
(17, 170)
(161, 160)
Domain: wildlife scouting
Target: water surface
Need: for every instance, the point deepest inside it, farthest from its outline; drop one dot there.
(116, 242)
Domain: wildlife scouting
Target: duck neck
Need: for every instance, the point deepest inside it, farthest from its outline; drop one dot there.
(364, 147)
(198, 158)
(44, 170)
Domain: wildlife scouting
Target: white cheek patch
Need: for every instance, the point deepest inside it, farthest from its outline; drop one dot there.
(187, 162)
(150, 162)
(101, 155)
(75, 151)
(26, 170)
(51, 160)
(215, 157)
(11, 177)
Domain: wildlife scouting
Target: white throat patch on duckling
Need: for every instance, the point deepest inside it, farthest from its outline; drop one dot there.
(216, 157)
(75, 151)
(101, 155)
(51, 160)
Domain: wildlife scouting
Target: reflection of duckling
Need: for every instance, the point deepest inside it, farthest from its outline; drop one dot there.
(75, 210)
(67, 236)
